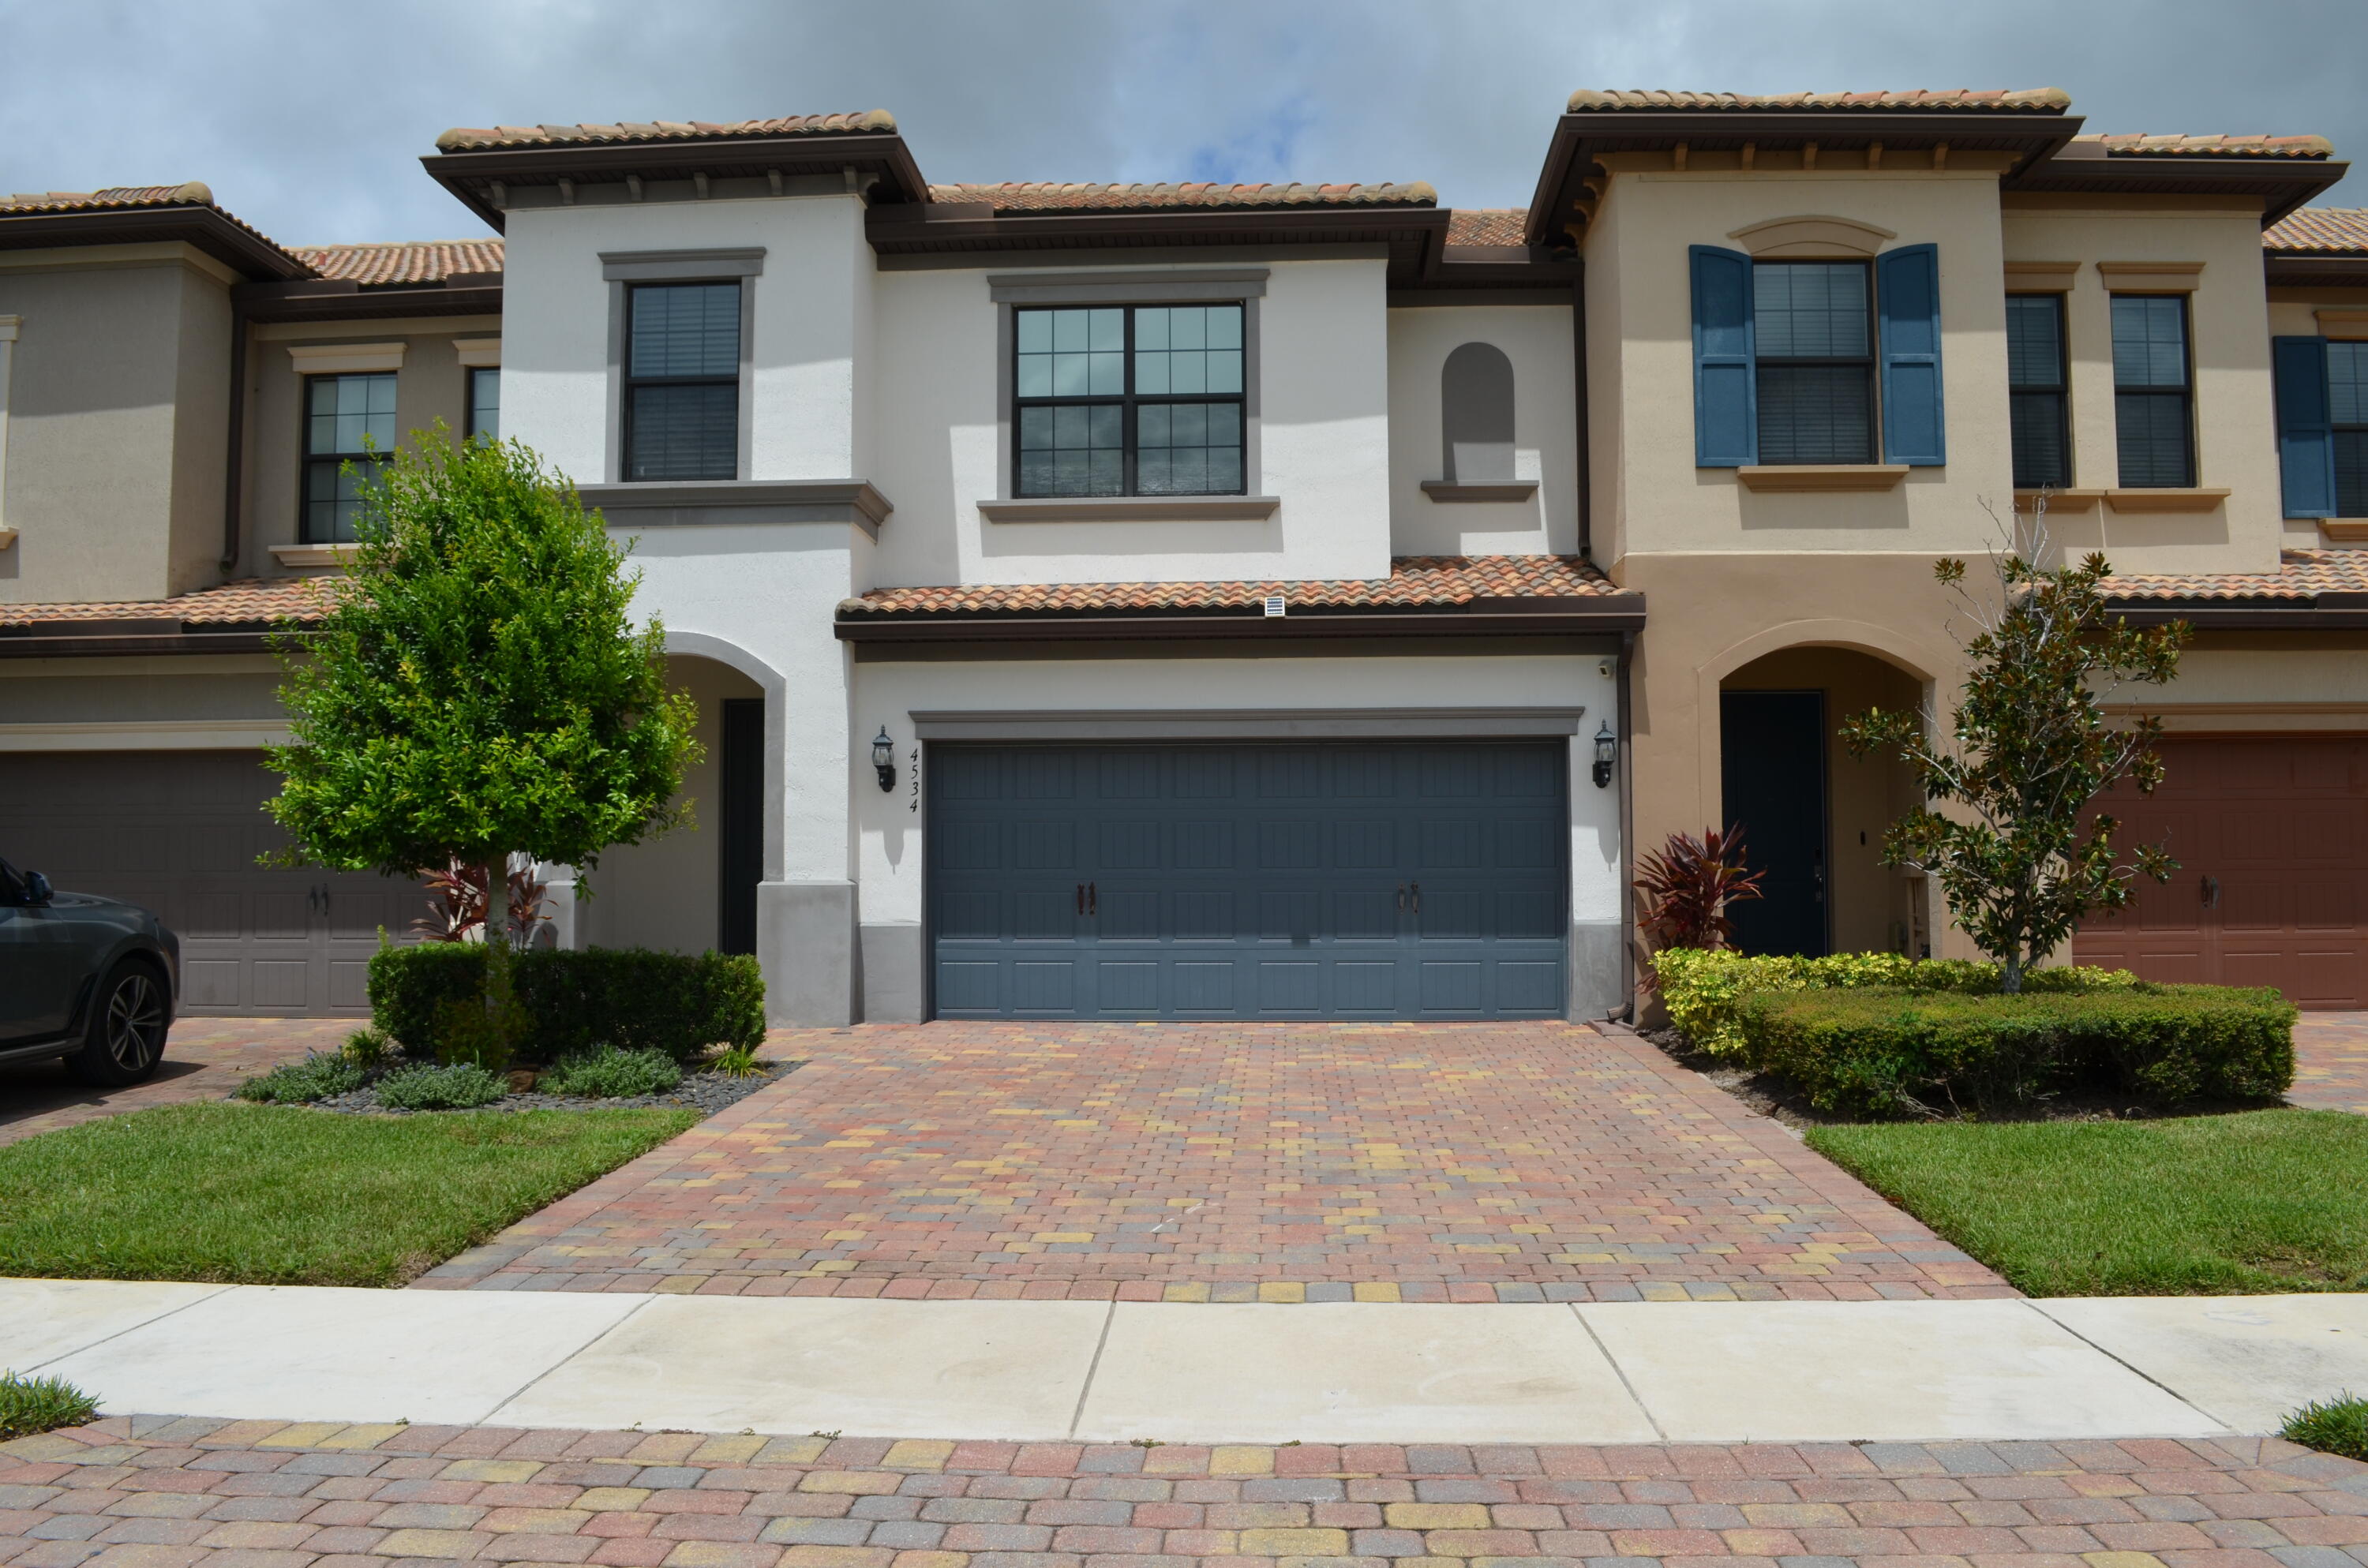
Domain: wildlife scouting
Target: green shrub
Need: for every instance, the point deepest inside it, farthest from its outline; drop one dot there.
(575, 1001)
(29, 1406)
(609, 1073)
(740, 1062)
(300, 1083)
(368, 1047)
(2337, 1426)
(1888, 1051)
(1704, 989)
(462, 1085)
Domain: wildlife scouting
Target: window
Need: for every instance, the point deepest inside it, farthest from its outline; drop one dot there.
(1816, 361)
(2152, 412)
(1143, 400)
(2035, 388)
(682, 381)
(485, 403)
(2347, 388)
(347, 419)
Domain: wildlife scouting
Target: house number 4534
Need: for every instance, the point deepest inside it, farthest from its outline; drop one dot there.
(913, 804)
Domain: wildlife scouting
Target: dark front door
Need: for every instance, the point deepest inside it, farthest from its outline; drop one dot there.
(740, 843)
(1389, 880)
(1772, 751)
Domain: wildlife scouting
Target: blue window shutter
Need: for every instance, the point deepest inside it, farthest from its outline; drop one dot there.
(1908, 314)
(1727, 423)
(2306, 442)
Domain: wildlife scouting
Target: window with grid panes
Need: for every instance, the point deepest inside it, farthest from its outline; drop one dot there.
(2346, 409)
(485, 403)
(348, 431)
(682, 381)
(2035, 391)
(1128, 400)
(2154, 419)
(1815, 326)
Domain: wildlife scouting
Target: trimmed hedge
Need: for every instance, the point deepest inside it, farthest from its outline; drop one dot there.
(578, 1001)
(1893, 1052)
(1704, 991)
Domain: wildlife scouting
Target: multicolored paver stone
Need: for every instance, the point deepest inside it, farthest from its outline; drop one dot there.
(163, 1492)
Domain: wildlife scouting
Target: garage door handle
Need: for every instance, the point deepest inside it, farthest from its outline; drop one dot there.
(2211, 892)
(1418, 897)
(1093, 899)
(1401, 895)
(1081, 898)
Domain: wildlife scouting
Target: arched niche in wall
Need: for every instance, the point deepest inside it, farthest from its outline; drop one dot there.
(1475, 428)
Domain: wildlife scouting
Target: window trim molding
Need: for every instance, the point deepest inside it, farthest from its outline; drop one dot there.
(1204, 286)
(708, 265)
(1007, 409)
(347, 358)
(2042, 276)
(620, 291)
(1811, 237)
(2347, 324)
(2151, 277)
(478, 353)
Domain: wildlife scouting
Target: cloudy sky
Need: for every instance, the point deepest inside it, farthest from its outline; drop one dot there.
(308, 119)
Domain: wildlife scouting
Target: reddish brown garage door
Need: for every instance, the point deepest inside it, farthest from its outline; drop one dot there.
(2271, 837)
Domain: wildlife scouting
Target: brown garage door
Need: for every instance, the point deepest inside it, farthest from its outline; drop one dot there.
(178, 832)
(2271, 837)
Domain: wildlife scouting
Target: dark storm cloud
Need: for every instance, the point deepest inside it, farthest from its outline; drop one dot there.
(309, 119)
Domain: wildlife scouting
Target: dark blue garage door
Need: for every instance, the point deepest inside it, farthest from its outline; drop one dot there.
(1355, 880)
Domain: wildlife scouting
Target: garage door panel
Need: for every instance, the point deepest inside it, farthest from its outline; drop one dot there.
(1251, 880)
(2281, 825)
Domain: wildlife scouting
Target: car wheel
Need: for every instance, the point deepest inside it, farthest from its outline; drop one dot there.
(126, 1036)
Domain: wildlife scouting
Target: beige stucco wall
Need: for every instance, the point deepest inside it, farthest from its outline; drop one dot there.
(116, 412)
(1639, 297)
(2229, 327)
(430, 385)
(664, 893)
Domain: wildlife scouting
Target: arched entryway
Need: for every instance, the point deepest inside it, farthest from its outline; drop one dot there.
(1813, 816)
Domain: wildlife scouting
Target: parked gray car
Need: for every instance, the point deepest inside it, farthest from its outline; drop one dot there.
(92, 980)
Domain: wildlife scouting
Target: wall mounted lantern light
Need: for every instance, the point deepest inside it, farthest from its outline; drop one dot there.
(884, 758)
(1607, 752)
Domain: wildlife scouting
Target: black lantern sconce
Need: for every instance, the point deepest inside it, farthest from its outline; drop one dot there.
(1607, 752)
(883, 759)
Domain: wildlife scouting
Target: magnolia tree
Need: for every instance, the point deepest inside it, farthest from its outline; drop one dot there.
(2028, 751)
(476, 696)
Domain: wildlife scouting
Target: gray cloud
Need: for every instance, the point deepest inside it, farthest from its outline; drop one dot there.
(308, 120)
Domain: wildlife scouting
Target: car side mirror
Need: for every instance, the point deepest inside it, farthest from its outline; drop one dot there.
(36, 888)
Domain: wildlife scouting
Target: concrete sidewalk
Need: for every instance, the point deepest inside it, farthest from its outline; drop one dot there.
(1612, 1373)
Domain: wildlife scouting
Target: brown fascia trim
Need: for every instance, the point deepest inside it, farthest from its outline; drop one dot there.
(1623, 612)
(207, 229)
(941, 227)
(2309, 270)
(467, 174)
(1577, 139)
(338, 299)
(2283, 183)
(25, 642)
(2322, 612)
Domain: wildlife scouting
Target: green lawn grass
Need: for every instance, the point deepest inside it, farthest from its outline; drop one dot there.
(2261, 1201)
(271, 1194)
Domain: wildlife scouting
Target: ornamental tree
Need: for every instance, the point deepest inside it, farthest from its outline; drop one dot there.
(475, 690)
(2027, 752)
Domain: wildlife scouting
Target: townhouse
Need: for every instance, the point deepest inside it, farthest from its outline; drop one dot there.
(1230, 602)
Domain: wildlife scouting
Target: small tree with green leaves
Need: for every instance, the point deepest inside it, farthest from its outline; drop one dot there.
(2028, 753)
(476, 689)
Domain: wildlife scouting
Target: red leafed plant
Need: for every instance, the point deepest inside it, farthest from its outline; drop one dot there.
(1687, 885)
(460, 900)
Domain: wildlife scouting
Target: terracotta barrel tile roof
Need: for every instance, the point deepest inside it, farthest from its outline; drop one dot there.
(2030, 100)
(2302, 575)
(192, 194)
(464, 139)
(2330, 228)
(247, 602)
(1486, 226)
(2140, 144)
(1052, 197)
(400, 262)
(1416, 582)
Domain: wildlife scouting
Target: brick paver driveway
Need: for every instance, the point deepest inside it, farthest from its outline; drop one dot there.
(2331, 1062)
(204, 1059)
(176, 1493)
(1199, 1162)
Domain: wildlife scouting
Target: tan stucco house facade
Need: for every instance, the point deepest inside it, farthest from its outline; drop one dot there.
(1232, 602)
